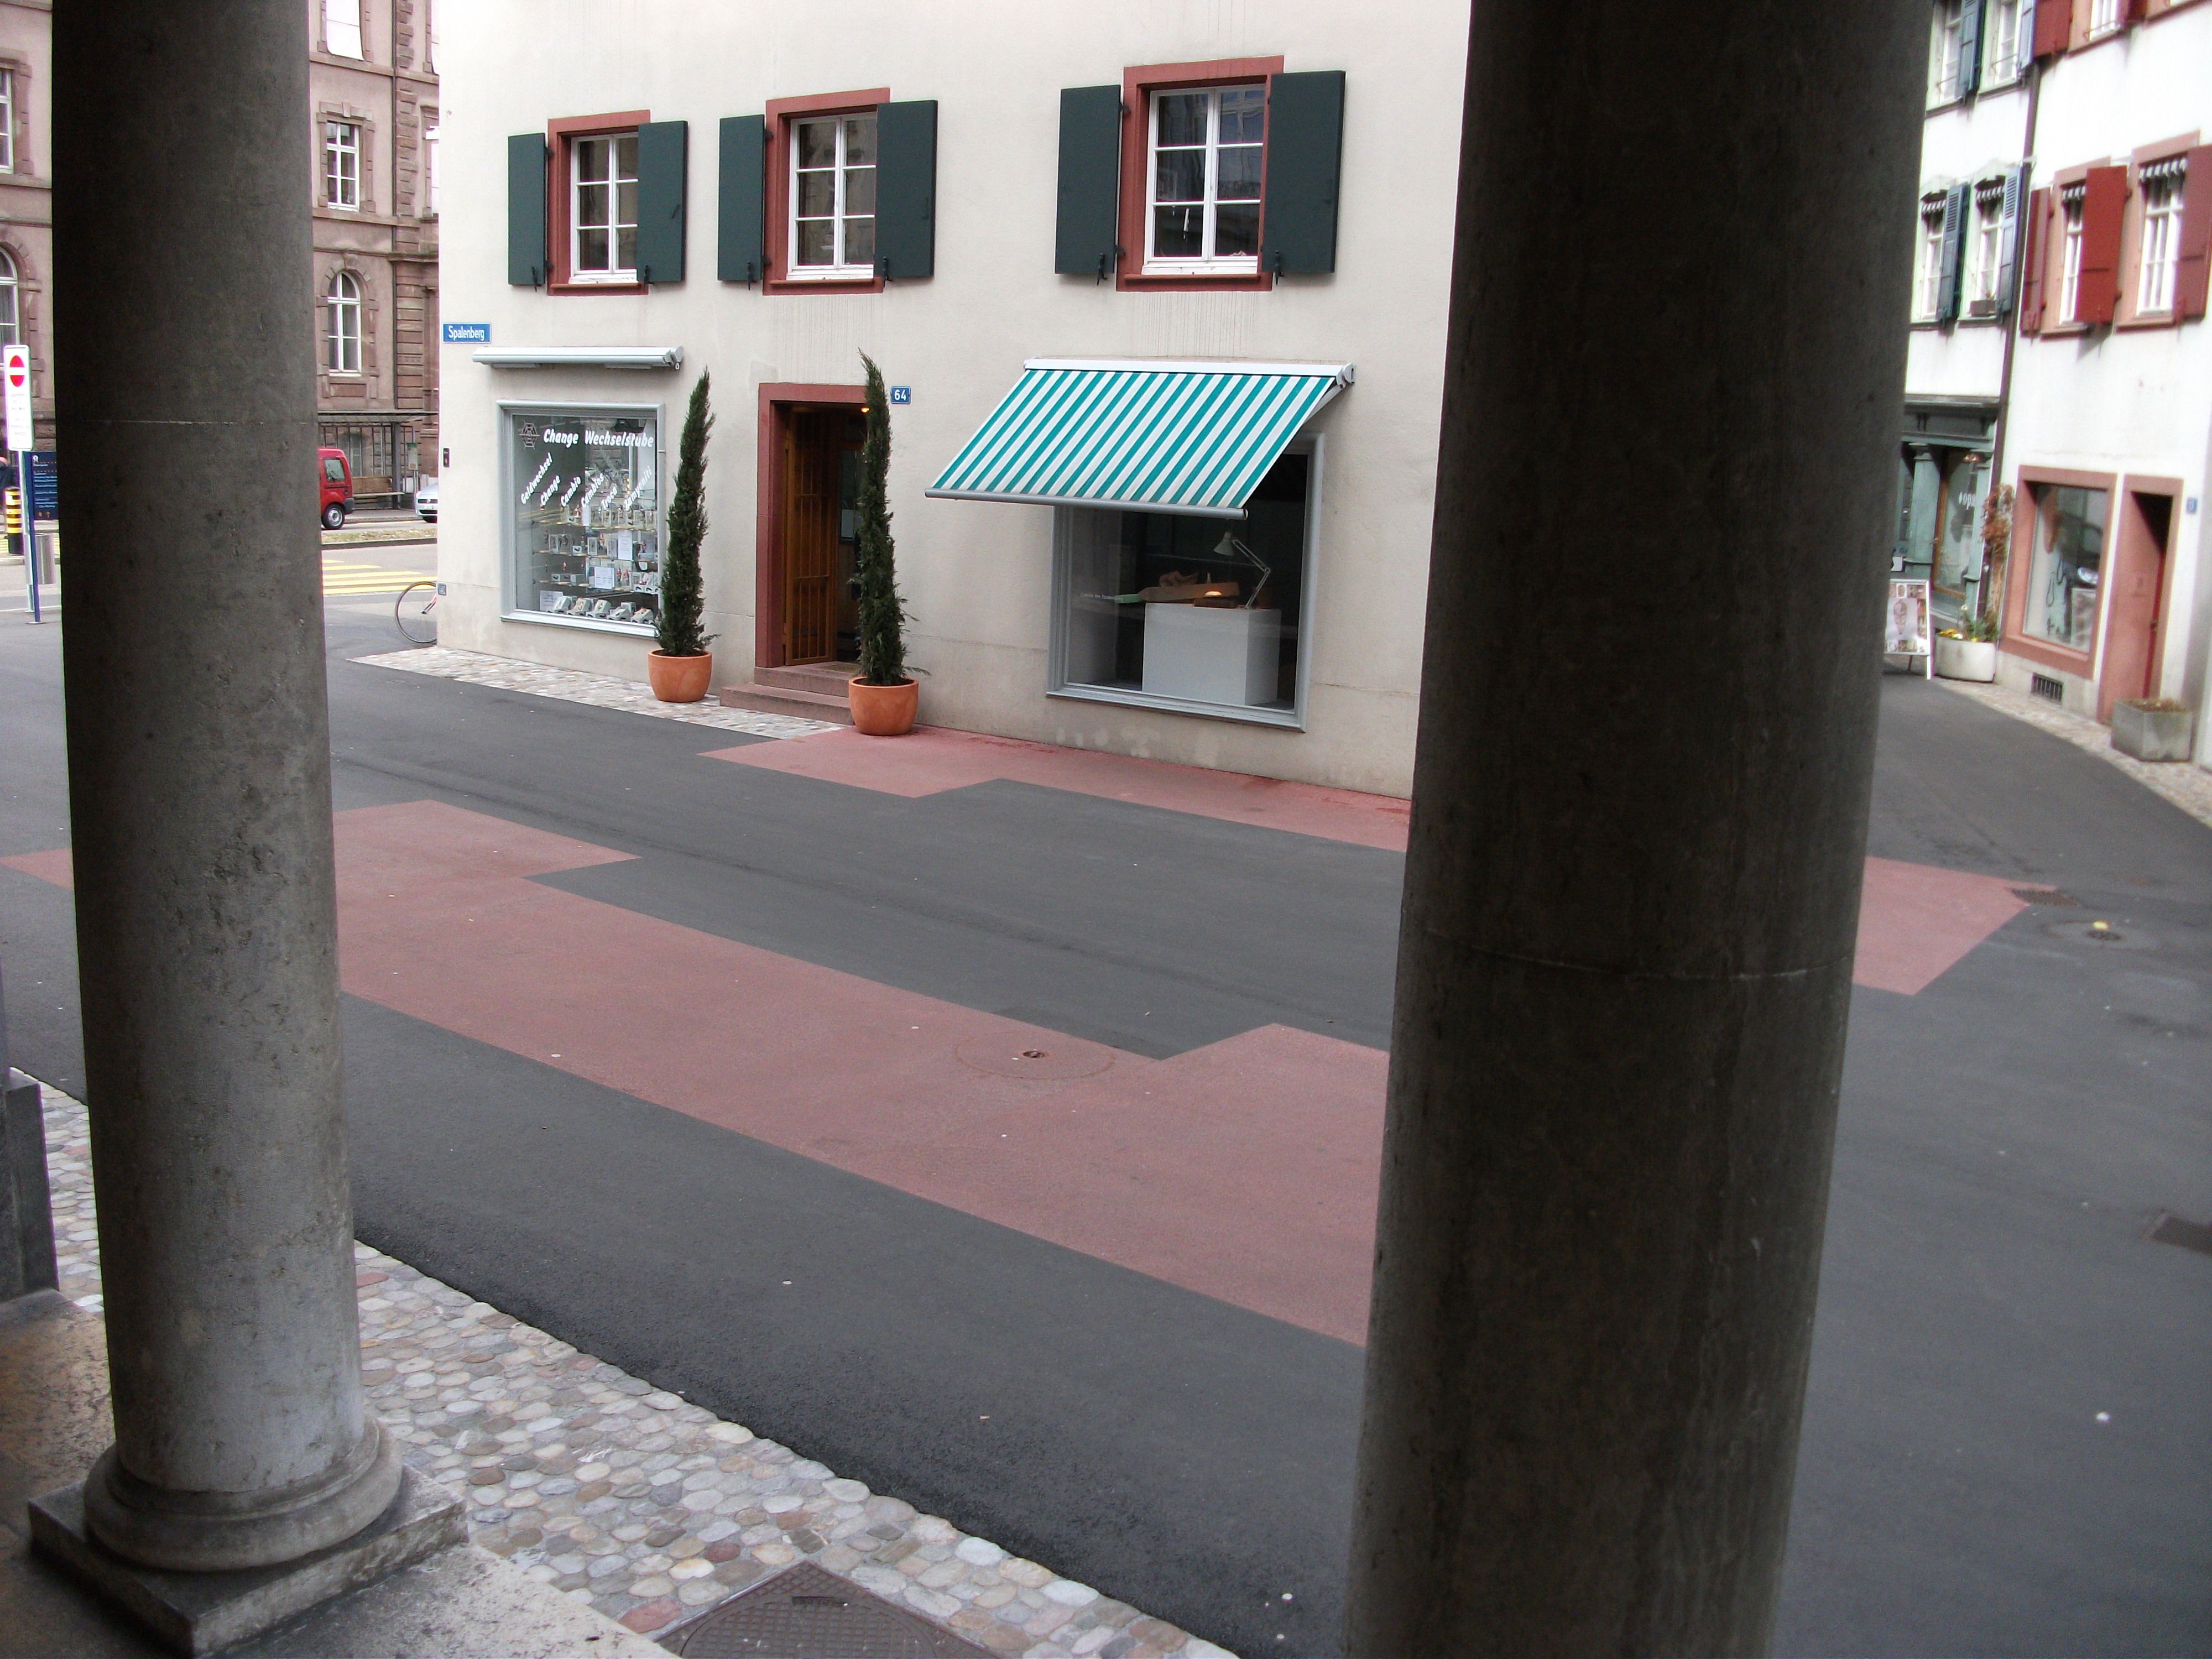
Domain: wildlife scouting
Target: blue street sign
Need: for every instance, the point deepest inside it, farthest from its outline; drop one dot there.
(465, 333)
(45, 487)
(902, 394)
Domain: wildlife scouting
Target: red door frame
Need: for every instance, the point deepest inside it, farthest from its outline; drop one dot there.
(2125, 668)
(777, 400)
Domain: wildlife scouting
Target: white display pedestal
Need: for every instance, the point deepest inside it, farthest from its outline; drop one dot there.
(1209, 654)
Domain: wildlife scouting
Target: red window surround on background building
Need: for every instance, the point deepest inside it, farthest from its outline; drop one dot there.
(560, 142)
(1138, 86)
(780, 114)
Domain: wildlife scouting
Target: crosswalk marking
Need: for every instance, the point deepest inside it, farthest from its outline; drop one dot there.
(340, 577)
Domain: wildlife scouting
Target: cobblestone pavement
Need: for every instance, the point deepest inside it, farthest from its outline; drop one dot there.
(599, 691)
(650, 1508)
(2186, 785)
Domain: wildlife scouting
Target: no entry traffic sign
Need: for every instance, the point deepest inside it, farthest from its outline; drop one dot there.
(15, 383)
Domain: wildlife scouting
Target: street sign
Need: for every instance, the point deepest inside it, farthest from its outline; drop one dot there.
(16, 384)
(465, 333)
(45, 487)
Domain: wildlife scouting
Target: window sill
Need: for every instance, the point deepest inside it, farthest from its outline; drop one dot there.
(1283, 718)
(1257, 281)
(568, 286)
(599, 624)
(855, 284)
(2150, 320)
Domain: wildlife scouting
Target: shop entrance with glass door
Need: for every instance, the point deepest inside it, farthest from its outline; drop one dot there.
(815, 534)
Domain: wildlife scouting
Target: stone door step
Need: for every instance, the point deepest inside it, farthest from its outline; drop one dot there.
(827, 679)
(784, 700)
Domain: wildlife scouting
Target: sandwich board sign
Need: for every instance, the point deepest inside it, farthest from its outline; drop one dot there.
(1908, 630)
(16, 383)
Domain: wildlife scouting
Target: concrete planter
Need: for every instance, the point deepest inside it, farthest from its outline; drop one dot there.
(1967, 659)
(2153, 729)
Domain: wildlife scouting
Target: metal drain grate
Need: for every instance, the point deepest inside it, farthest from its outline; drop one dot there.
(807, 1612)
(2049, 689)
(2189, 1235)
(2045, 896)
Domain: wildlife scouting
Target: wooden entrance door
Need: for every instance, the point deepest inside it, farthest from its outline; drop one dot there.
(2129, 668)
(811, 440)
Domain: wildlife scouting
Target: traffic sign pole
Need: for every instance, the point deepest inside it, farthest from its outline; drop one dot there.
(16, 394)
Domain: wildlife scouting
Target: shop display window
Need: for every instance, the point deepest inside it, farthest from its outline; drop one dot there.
(1204, 615)
(2068, 561)
(582, 497)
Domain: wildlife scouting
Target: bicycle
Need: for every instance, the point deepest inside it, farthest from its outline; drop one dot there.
(415, 610)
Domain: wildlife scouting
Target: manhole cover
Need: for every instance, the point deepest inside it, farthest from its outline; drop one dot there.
(809, 1614)
(2103, 934)
(1047, 1058)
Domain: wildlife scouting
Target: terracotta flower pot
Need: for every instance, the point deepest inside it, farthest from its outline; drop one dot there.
(884, 711)
(679, 679)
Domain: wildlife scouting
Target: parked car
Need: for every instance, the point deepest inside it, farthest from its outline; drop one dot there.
(338, 487)
(426, 500)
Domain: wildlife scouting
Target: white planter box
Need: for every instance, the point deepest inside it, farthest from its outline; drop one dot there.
(1967, 659)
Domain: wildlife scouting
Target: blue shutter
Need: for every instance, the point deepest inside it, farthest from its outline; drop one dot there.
(527, 156)
(1089, 221)
(740, 212)
(1970, 47)
(2016, 206)
(906, 189)
(1305, 145)
(1955, 203)
(664, 150)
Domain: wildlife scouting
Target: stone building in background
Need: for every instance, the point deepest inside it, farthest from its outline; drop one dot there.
(27, 218)
(373, 76)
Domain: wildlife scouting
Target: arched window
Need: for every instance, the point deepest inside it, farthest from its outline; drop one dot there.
(11, 312)
(341, 325)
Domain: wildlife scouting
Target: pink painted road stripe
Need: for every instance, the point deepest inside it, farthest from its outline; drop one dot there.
(1244, 1170)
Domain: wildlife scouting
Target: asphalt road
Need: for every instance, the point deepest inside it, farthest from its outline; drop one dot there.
(2007, 1446)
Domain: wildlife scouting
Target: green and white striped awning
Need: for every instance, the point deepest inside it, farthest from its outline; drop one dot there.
(1162, 437)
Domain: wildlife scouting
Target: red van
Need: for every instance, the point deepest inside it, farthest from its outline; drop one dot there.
(338, 487)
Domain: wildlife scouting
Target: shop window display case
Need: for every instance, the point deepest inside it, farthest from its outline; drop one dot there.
(581, 494)
(1201, 615)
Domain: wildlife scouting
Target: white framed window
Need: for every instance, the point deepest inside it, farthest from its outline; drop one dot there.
(833, 196)
(2161, 235)
(1207, 147)
(341, 325)
(1927, 280)
(603, 208)
(2104, 16)
(6, 120)
(428, 192)
(1943, 64)
(1985, 251)
(11, 311)
(341, 27)
(2070, 255)
(342, 165)
(2002, 24)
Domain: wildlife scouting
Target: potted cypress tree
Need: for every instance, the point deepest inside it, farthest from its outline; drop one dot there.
(681, 665)
(883, 694)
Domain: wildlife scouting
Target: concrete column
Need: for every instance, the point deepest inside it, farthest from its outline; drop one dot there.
(1665, 495)
(199, 786)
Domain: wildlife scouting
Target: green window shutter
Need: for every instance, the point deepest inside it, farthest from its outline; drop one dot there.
(739, 253)
(664, 151)
(906, 189)
(1090, 181)
(526, 209)
(1970, 48)
(2016, 209)
(1305, 145)
(1955, 205)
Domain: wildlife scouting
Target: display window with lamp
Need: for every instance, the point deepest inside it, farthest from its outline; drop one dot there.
(581, 499)
(1196, 614)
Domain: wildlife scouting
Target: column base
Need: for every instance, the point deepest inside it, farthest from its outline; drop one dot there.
(196, 1612)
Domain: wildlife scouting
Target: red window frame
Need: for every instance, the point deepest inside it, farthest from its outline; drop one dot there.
(2019, 560)
(776, 197)
(1138, 86)
(560, 136)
